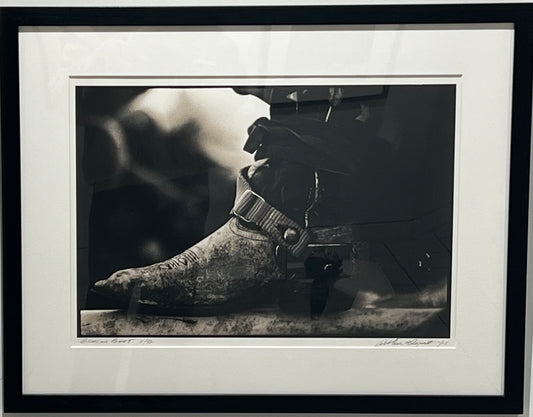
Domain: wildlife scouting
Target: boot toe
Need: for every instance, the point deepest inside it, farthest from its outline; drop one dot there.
(223, 267)
(119, 283)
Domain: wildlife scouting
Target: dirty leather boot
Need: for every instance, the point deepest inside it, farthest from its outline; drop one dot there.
(270, 251)
(235, 265)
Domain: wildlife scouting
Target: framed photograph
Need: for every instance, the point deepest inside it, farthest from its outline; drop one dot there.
(266, 209)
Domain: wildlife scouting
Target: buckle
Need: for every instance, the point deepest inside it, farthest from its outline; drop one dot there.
(244, 203)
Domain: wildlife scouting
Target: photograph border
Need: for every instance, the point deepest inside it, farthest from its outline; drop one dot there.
(510, 402)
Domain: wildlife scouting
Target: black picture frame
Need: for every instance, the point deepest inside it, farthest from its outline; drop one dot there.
(520, 15)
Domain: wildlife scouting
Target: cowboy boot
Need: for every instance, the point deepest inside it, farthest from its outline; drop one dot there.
(237, 261)
(272, 250)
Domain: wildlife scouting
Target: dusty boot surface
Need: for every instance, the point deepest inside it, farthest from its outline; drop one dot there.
(230, 264)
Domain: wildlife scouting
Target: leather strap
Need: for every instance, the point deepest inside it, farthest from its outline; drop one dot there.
(252, 208)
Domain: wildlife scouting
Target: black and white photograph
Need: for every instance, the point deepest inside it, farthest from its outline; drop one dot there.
(270, 210)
